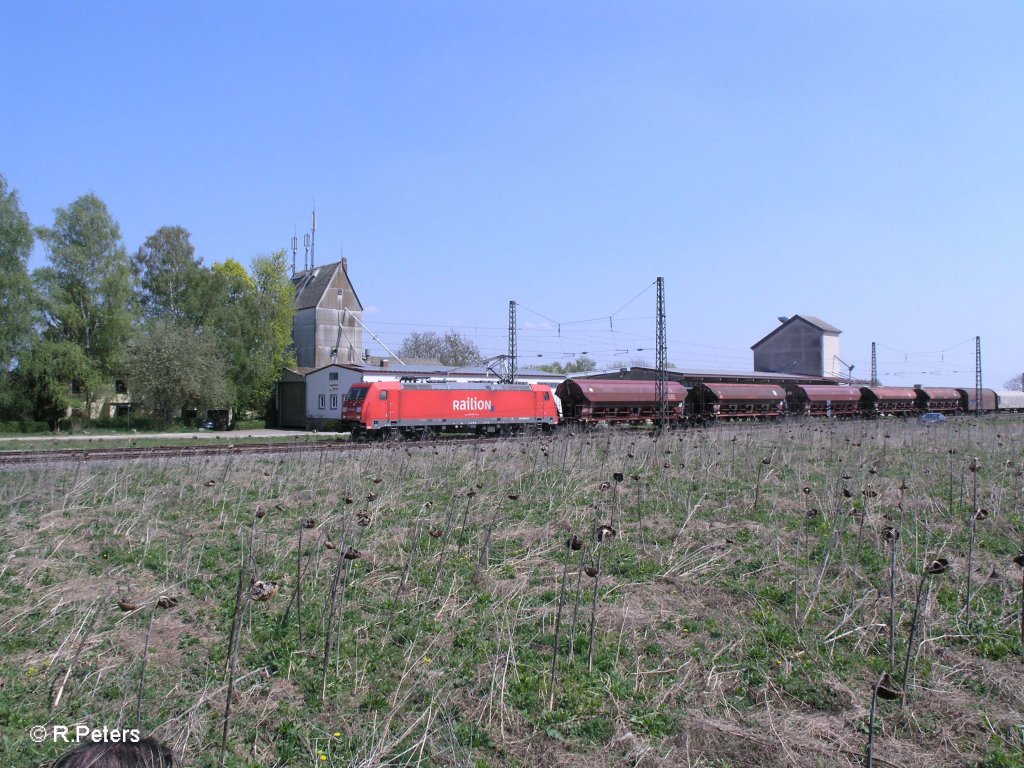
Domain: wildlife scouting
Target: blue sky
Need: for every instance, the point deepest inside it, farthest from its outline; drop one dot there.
(858, 161)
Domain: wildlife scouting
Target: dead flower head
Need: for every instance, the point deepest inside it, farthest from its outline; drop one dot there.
(886, 689)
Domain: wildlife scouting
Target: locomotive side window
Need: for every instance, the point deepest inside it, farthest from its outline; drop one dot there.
(547, 395)
(383, 394)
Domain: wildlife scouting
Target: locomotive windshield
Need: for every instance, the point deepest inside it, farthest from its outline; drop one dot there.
(357, 393)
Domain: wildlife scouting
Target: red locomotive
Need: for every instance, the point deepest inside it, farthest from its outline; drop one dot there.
(388, 408)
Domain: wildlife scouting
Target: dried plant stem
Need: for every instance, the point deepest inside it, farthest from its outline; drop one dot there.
(871, 721)
(298, 584)
(85, 630)
(413, 542)
(576, 610)
(485, 550)
(970, 564)
(910, 640)
(757, 488)
(892, 606)
(236, 631)
(142, 673)
(342, 546)
(593, 612)
(558, 627)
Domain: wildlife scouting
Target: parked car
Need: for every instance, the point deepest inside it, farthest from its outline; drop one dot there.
(933, 418)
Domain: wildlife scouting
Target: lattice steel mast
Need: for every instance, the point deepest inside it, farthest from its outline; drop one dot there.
(661, 356)
(977, 375)
(512, 344)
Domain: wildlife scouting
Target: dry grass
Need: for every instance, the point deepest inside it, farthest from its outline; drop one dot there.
(732, 628)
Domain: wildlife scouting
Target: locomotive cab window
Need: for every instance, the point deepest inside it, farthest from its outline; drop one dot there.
(356, 393)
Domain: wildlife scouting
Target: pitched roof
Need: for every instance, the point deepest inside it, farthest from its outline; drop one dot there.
(811, 320)
(312, 284)
(817, 322)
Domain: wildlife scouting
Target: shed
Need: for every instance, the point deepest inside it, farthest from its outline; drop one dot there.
(290, 398)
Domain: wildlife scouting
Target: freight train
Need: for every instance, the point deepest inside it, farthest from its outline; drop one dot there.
(416, 409)
(584, 401)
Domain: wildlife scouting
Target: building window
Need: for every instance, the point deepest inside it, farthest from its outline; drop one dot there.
(333, 376)
(320, 402)
(334, 402)
(76, 387)
(121, 387)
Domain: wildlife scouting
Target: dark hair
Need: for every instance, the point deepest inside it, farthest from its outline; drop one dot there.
(145, 753)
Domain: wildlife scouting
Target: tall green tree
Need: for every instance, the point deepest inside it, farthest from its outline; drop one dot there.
(171, 280)
(276, 312)
(451, 349)
(15, 284)
(87, 292)
(174, 365)
(44, 375)
(252, 318)
(581, 364)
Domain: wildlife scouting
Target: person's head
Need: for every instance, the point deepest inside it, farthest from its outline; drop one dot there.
(145, 753)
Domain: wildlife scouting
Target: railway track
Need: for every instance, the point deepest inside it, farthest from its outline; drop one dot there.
(93, 454)
(165, 451)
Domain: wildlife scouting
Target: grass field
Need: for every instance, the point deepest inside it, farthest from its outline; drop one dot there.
(740, 615)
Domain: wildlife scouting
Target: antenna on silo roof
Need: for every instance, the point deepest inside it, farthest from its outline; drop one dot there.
(295, 247)
(312, 239)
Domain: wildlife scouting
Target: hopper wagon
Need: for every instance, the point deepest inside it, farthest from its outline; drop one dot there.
(937, 400)
(594, 401)
(825, 400)
(887, 401)
(724, 402)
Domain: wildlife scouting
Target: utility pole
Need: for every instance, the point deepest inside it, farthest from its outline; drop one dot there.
(512, 343)
(874, 366)
(661, 357)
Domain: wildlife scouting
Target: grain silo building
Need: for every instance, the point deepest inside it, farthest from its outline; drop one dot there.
(328, 317)
(801, 345)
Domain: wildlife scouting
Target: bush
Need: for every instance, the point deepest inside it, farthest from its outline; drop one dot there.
(142, 422)
(24, 426)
